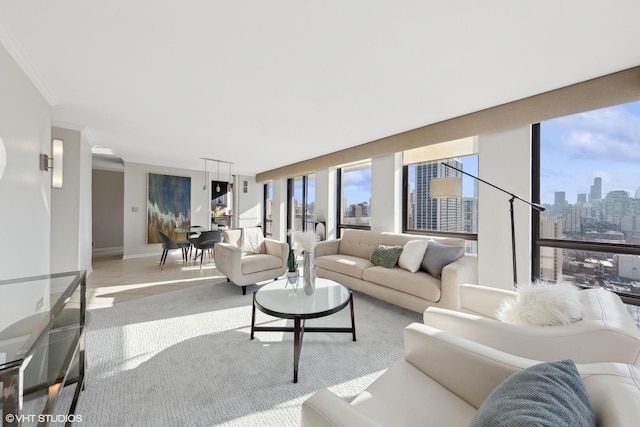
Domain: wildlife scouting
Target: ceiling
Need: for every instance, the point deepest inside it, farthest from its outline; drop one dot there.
(264, 84)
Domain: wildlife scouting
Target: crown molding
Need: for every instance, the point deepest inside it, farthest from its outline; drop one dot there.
(9, 41)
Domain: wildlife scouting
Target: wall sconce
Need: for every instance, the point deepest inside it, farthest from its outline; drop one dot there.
(54, 162)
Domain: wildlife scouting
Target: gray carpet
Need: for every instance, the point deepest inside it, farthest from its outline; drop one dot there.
(184, 358)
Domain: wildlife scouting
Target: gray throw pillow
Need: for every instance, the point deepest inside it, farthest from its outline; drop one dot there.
(438, 256)
(385, 256)
(548, 394)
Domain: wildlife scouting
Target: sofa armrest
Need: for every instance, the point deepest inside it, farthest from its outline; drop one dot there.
(325, 409)
(228, 259)
(462, 270)
(585, 341)
(327, 247)
(277, 248)
(466, 368)
(483, 300)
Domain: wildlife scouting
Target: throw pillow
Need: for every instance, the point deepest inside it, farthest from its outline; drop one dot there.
(543, 304)
(412, 255)
(385, 256)
(439, 256)
(548, 394)
(251, 240)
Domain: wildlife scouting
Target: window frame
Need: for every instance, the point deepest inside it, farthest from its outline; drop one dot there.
(405, 215)
(339, 208)
(580, 245)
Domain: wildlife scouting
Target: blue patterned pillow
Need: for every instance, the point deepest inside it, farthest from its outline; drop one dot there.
(548, 394)
(386, 256)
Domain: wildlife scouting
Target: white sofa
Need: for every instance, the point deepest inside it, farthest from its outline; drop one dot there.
(444, 379)
(245, 269)
(606, 333)
(346, 260)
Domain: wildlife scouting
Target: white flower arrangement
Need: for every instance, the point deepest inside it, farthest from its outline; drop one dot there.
(304, 241)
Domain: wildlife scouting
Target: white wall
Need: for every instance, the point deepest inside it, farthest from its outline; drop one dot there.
(279, 225)
(505, 161)
(386, 193)
(326, 200)
(25, 190)
(135, 197)
(71, 206)
(247, 206)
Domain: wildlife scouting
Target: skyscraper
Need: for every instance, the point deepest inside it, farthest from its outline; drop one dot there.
(596, 190)
(437, 214)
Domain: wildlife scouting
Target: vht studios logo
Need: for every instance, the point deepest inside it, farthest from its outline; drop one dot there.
(43, 418)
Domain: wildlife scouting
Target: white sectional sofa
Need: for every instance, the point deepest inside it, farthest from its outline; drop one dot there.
(444, 380)
(347, 261)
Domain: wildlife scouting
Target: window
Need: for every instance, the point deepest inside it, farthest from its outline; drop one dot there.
(303, 203)
(268, 210)
(354, 192)
(452, 215)
(588, 181)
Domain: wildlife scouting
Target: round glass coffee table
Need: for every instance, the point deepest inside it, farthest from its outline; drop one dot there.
(281, 299)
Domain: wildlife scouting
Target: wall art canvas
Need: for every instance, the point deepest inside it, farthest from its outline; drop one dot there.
(168, 206)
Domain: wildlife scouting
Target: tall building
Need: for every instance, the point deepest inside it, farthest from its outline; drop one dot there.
(437, 214)
(616, 205)
(559, 202)
(551, 258)
(582, 199)
(596, 189)
(573, 218)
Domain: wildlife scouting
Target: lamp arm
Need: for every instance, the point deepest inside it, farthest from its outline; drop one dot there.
(536, 206)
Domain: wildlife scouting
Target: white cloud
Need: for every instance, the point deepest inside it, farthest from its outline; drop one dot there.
(611, 133)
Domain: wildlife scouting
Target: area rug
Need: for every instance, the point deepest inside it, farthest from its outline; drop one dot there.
(184, 358)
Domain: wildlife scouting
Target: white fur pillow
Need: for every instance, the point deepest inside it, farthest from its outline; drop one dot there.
(543, 304)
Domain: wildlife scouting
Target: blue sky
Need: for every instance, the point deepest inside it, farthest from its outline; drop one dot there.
(577, 148)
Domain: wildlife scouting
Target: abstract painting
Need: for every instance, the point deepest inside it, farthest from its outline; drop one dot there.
(168, 206)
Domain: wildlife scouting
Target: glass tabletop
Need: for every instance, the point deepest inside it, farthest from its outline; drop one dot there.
(281, 299)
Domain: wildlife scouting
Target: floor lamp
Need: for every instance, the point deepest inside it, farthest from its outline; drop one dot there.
(452, 187)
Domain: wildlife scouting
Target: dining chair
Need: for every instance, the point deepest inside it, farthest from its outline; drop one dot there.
(168, 243)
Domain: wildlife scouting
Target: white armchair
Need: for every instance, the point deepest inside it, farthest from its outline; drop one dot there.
(248, 268)
(443, 380)
(607, 333)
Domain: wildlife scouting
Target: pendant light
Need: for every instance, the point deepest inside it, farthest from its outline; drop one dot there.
(204, 187)
(218, 182)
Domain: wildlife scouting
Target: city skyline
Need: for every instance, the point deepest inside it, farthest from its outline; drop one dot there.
(601, 143)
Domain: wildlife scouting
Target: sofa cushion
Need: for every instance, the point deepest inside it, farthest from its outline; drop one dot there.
(385, 256)
(547, 394)
(420, 283)
(438, 256)
(259, 262)
(404, 396)
(412, 255)
(344, 264)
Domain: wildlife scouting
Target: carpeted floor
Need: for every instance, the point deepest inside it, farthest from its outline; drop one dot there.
(184, 358)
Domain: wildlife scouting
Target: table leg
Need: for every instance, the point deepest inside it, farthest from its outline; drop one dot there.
(253, 315)
(296, 347)
(353, 322)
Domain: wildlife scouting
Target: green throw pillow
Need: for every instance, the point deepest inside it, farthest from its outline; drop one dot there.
(386, 256)
(547, 395)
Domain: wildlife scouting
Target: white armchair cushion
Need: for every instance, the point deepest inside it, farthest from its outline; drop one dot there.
(543, 304)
